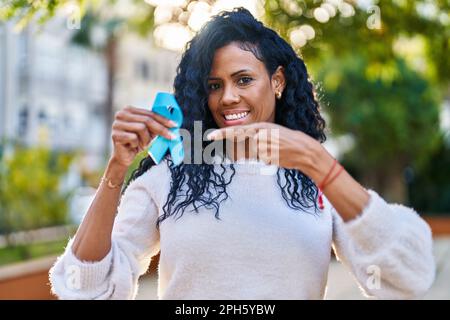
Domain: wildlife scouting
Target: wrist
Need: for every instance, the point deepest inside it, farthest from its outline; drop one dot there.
(115, 171)
(320, 163)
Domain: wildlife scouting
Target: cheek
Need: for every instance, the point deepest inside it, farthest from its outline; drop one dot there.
(213, 107)
(211, 104)
(264, 102)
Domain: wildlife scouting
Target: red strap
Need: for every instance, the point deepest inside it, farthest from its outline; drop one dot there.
(320, 200)
(321, 185)
(325, 182)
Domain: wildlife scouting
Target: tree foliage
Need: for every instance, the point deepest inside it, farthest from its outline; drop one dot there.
(372, 31)
(30, 193)
(395, 120)
(381, 83)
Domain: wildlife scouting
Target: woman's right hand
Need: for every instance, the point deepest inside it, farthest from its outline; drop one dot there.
(132, 131)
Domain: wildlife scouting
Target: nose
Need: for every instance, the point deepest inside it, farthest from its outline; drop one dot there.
(230, 96)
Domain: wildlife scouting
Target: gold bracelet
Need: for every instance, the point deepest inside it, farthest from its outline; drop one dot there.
(110, 184)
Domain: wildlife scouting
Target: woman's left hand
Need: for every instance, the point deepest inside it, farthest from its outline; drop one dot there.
(296, 150)
(291, 149)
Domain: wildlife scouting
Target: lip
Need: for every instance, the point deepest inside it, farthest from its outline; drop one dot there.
(235, 122)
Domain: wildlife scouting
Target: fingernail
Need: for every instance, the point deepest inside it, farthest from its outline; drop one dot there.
(172, 136)
(173, 124)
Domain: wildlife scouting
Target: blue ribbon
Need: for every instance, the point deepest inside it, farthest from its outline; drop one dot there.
(166, 106)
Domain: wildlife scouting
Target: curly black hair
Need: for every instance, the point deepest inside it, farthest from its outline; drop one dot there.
(297, 109)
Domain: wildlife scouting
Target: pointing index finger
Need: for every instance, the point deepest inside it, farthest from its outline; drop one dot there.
(232, 132)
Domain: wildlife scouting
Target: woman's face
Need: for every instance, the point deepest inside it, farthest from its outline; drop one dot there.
(240, 89)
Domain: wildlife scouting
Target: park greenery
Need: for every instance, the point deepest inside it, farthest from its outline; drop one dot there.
(31, 193)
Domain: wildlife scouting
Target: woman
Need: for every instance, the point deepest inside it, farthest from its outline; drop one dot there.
(225, 230)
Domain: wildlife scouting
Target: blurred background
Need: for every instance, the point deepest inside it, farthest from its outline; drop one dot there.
(381, 70)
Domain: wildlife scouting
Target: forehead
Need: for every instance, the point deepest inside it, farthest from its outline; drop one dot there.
(232, 58)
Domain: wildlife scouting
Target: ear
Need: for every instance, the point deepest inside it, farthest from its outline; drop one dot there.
(278, 80)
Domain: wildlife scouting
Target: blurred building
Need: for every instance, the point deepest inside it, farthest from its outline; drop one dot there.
(142, 71)
(54, 92)
(51, 91)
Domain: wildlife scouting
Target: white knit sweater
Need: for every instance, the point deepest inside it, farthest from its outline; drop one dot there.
(260, 249)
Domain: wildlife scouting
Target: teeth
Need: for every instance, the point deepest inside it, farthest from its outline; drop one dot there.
(236, 116)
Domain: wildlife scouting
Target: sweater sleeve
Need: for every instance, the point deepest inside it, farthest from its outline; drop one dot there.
(134, 241)
(388, 249)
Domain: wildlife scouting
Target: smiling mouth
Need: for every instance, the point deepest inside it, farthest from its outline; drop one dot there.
(236, 116)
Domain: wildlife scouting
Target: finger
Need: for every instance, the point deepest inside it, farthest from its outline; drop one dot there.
(144, 112)
(156, 127)
(241, 131)
(125, 138)
(139, 128)
(163, 120)
(252, 148)
(153, 125)
(139, 111)
(132, 117)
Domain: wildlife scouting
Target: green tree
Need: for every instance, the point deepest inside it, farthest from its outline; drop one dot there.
(382, 71)
(430, 187)
(394, 123)
(30, 192)
(371, 31)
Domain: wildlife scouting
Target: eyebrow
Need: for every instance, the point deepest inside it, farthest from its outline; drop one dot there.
(232, 75)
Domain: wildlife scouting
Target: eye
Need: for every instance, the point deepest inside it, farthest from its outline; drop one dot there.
(245, 80)
(213, 86)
